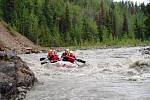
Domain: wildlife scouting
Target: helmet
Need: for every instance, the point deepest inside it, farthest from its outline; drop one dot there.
(71, 52)
(67, 50)
(50, 50)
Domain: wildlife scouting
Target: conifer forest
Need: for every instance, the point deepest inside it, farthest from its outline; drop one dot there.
(78, 22)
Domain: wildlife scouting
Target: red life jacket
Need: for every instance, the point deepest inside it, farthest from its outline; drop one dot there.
(64, 54)
(71, 58)
(49, 54)
(55, 58)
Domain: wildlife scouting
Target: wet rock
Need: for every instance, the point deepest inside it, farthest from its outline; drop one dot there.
(31, 50)
(43, 51)
(15, 77)
(145, 51)
(141, 66)
(21, 93)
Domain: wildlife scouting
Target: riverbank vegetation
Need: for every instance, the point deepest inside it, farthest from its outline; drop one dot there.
(78, 22)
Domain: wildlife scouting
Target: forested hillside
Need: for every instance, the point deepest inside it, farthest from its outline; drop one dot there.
(78, 22)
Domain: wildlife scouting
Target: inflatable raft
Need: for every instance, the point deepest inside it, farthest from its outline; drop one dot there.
(64, 64)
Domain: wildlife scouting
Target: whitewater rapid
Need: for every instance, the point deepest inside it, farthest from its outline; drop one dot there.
(105, 76)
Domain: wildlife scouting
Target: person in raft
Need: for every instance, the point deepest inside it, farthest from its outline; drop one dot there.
(65, 54)
(68, 56)
(71, 57)
(52, 56)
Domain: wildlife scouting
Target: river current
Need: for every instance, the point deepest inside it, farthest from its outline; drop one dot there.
(105, 76)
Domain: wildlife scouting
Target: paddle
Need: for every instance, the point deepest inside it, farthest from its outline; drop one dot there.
(41, 59)
(45, 60)
(79, 60)
(43, 63)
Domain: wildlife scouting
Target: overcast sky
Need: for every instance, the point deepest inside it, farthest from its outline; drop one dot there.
(139, 1)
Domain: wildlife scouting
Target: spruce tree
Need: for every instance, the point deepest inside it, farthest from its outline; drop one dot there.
(147, 22)
(125, 28)
(100, 21)
(137, 31)
(8, 9)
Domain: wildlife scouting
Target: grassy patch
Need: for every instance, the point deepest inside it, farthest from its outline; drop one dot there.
(111, 44)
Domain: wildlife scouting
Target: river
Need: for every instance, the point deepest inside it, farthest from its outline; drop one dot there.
(105, 76)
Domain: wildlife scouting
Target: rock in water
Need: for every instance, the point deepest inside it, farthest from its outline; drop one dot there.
(15, 77)
(141, 66)
(145, 51)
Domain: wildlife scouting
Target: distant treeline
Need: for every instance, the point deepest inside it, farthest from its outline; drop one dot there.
(77, 22)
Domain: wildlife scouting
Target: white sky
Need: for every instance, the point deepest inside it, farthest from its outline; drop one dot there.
(138, 1)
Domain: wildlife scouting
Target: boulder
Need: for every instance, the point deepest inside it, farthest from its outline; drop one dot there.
(141, 66)
(145, 51)
(15, 77)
